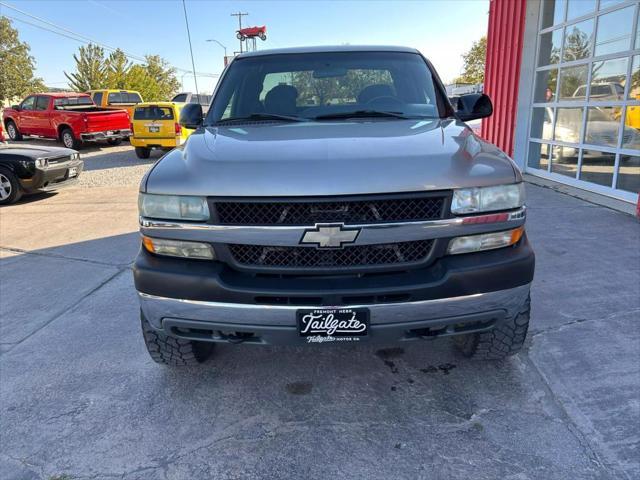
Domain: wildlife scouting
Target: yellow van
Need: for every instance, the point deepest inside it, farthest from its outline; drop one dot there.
(155, 125)
(120, 99)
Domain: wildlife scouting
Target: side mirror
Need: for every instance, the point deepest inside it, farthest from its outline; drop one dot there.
(15, 107)
(191, 116)
(474, 106)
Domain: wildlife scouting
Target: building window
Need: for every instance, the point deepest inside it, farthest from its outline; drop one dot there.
(585, 121)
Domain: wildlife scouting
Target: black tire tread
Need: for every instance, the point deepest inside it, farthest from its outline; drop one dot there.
(19, 136)
(76, 143)
(16, 192)
(143, 152)
(506, 338)
(173, 351)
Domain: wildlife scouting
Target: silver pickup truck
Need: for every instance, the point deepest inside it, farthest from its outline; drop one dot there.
(333, 195)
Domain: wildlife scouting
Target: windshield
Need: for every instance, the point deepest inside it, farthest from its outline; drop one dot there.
(316, 85)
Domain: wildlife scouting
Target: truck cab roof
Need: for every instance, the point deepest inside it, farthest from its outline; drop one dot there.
(329, 48)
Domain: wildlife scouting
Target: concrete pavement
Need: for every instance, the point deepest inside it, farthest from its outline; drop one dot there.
(80, 397)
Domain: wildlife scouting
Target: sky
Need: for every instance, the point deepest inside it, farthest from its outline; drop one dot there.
(441, 30)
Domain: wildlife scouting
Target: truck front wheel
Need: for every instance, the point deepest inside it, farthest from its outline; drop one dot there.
(506, 338)
(9, 187)
(69, 139)
(173, 351)
(13, 132)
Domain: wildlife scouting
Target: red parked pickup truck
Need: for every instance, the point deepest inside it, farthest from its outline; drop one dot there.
(72, 118)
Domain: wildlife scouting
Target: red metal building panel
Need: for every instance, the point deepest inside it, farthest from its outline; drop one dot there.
(502, 71)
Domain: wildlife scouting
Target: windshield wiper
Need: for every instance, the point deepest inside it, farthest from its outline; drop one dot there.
(361, 114)
(262, 116)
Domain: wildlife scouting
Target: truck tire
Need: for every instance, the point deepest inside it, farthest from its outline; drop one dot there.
(114, 141)
(13, 132)
(142, 152)
(506, 338)
(10, 191)
(173, 351)
(69, 140)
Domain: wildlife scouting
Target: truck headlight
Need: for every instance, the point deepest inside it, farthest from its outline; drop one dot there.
(484, 241)
(178, 248)
(173, 207)
(42, 162)
(487, 199)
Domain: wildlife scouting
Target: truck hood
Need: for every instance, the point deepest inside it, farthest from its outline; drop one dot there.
(330, 158)
(35, 152)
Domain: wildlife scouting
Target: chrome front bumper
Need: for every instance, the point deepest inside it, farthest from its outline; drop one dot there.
(271, 324)
(95, 136)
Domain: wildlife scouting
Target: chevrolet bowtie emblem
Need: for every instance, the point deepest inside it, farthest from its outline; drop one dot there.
(330, 235)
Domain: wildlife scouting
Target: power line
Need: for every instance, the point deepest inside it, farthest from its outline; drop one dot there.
(78, 37)
(193, 63)
(64, 29)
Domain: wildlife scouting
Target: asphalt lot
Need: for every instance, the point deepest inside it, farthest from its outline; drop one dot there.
(80, 397)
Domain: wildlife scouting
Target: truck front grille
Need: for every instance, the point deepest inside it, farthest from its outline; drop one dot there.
(349, 256)
(379, 209)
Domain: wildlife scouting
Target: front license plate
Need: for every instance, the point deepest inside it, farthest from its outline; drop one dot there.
(333, 324)
(154, 129)
(73, 172)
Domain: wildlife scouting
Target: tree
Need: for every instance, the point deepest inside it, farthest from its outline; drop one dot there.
(474, 63)
(162, 76)
(17, 66)
(118, 67)
(138, 79)
(155, 79)
(91, 69)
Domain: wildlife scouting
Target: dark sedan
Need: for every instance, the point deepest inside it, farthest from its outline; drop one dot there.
(31, 169)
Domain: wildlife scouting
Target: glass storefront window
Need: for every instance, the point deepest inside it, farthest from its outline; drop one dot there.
(629, 173)
(573, 82)
(546, 83)
(614, 31)
(586, 97)
(634, 89)
(568, 125)
(631, 132)
(550, 44)
(564, 160)
(578, 41)
(608, 79)
(542, 122)
(609, 3)
(553, 12)
(603, 126)
(538, 155)
(597, 167)
(578, 8)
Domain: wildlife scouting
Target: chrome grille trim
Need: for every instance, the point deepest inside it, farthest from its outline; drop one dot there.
(370, 234)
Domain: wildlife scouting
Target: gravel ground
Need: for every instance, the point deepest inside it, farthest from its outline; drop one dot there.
(105, 165)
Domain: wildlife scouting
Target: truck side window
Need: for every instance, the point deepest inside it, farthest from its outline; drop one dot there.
(97, 98)
(29, 103)
(42, 102)
(114, 98)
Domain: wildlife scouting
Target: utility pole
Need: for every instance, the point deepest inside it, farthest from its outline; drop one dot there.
(239, 15)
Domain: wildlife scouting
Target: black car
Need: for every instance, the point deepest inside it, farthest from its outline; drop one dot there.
(31, 169)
